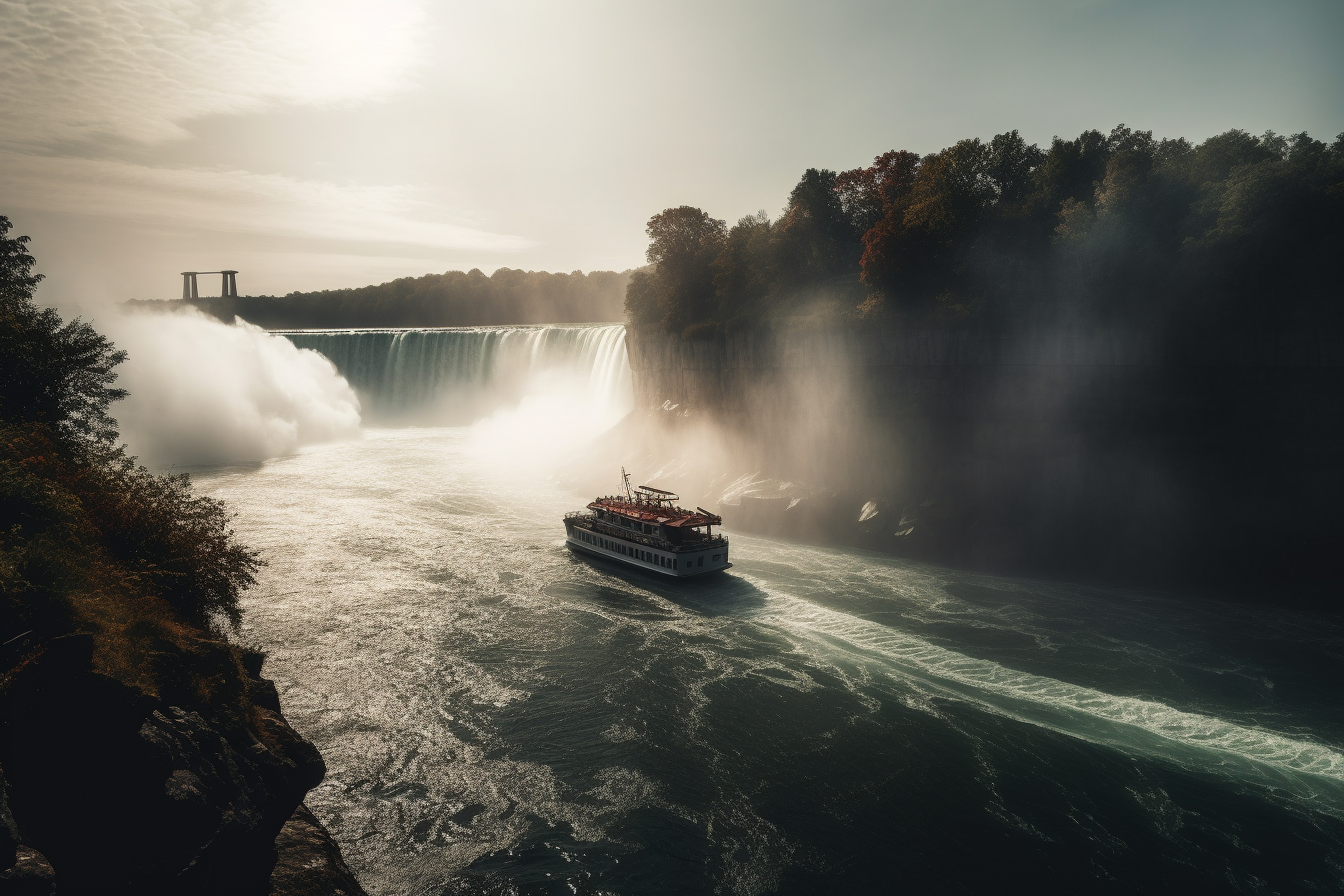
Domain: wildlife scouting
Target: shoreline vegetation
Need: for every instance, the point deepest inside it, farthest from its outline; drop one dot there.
(451, 299)
(141, 750)
(1117, 228)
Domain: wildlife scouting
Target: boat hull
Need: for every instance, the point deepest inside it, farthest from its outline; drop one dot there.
(672, 564)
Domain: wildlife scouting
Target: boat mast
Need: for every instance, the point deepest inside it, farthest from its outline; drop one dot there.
(625, 477)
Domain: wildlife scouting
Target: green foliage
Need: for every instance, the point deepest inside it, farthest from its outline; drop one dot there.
(748, 268)
(90, 541)
(53, 373)
(679, 290)
(178, 544)
(815, 237)
(1237, 230)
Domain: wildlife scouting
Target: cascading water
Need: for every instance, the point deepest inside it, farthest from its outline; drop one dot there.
(458, 374)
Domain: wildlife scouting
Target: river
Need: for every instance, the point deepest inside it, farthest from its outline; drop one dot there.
(499, 715)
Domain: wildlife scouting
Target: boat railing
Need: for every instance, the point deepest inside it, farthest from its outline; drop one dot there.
(691, 544)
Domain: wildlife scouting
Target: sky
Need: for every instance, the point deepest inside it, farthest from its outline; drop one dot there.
(314, 144)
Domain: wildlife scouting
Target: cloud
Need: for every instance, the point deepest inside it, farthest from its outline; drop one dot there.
(132, 69)
(240, 201)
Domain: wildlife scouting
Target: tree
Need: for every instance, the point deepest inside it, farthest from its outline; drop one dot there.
(817, 238)
(89, 537)
(683, 245)
(56, 374)
(747, 270)
(1010, 164)
(868, 195)
(914, 250)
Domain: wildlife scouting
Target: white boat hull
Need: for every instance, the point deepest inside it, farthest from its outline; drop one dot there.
(673, 564)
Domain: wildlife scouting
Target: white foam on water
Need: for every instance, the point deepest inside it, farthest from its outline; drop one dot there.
(1190, 739)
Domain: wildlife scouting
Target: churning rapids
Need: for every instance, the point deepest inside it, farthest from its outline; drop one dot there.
(498, 715)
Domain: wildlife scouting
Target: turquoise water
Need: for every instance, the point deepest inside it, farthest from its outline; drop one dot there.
(455, 374)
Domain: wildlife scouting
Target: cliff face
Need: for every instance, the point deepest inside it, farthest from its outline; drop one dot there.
(1116, 450)
(107, 789)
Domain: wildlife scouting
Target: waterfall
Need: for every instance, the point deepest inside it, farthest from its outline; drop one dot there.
(460, 373)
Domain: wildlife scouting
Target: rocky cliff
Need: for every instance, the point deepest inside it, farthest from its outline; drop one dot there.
(105, 788)
(1136, 453)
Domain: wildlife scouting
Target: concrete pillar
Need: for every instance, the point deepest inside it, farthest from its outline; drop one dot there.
(186, 285)
(195, 294)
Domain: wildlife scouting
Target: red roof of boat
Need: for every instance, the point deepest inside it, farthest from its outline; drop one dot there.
(676, 517)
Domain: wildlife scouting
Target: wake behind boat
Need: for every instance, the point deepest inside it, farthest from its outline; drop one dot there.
(645, 528)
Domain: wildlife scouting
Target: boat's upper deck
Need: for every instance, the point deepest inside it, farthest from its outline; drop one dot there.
(648, 512)
(659, 514)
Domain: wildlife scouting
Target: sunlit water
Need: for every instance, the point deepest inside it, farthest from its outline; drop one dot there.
(499, 715)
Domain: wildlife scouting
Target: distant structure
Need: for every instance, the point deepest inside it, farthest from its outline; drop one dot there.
(228, 284)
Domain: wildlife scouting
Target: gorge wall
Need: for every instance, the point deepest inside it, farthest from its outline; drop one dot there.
(1140, 454)
(107, 788)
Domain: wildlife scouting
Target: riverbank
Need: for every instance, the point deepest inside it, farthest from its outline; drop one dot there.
(109, 787)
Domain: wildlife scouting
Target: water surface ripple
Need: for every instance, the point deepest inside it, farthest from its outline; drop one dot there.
(498, 715)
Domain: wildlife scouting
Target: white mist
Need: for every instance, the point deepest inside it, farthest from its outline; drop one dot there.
(204, 392)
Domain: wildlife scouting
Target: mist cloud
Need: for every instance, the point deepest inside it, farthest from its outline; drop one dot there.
(203, 392)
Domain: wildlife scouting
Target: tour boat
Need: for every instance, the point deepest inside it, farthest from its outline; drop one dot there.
(645, 528)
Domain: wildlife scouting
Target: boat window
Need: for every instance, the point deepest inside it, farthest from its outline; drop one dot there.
(702, 560)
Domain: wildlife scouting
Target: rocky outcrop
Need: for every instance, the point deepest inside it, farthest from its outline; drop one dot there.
(308, 860)
(1095, 448)
(114, 790)
(29, 874)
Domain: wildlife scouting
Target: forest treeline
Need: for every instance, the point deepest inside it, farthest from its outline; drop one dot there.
(1118, 227)
(451, 299)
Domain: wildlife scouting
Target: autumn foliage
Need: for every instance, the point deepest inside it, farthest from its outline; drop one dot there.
(1121, 227)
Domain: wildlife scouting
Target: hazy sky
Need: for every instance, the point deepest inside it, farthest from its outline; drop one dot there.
(326, 143)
